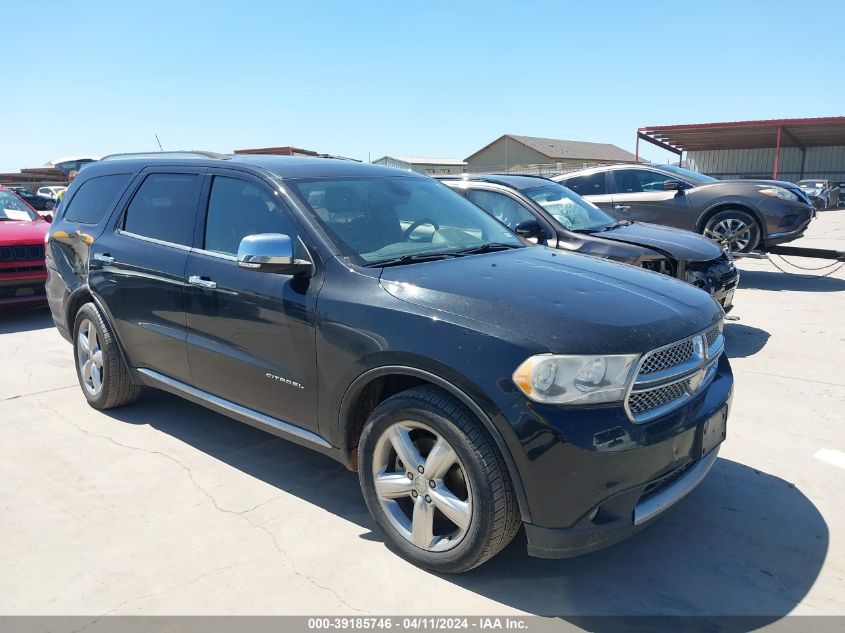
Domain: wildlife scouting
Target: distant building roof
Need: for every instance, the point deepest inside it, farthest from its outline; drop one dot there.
(423, 160)
(557, 149)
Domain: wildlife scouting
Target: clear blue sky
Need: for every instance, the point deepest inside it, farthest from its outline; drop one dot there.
(410, 78)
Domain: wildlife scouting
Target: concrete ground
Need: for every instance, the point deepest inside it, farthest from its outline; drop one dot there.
(166, 508)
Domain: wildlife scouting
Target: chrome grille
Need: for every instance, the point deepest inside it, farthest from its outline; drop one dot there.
(666, 358)
(643, 401)
(713, 334)
(669, 376)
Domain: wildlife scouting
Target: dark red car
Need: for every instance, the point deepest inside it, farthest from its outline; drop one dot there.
(22, 270)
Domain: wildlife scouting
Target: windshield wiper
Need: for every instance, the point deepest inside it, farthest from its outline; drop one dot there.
(610, 227)
(488, 247)
(409, 259)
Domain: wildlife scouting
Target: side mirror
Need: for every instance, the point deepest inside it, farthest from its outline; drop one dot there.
(673, 185)
(529, 229)
(271, 253)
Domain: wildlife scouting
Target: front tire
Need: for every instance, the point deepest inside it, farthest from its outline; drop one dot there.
(736, 230)
(435, 482)
(100, 368)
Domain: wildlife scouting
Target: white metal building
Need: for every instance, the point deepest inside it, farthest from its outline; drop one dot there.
(423, 165)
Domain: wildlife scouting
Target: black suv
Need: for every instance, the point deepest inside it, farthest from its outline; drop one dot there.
(476, 382)
(545, 211)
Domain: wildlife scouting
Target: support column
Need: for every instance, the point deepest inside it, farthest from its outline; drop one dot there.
(777, 155)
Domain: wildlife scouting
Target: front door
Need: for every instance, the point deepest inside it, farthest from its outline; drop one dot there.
(639, 195)
(139, 270)
(251, 334)
(593, 187)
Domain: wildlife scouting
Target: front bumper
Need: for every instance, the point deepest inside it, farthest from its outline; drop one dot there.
(593, 478)
(22, 289)
(784, 220)
(719, 277)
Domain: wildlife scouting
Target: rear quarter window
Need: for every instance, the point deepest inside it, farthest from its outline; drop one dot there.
(95, 198)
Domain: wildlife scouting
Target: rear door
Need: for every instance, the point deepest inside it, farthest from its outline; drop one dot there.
(252, 337)
(640, 195)
(138, 269)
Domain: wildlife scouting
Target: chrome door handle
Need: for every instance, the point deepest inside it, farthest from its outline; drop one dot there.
(203, 282)
(104, 257)
(622, 207)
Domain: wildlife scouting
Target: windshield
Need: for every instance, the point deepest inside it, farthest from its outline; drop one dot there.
(568, 208)
(383, 219)
(688, 174)
(13, 208)
(811, 184)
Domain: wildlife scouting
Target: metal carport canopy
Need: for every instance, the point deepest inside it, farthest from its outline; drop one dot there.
(777, 133)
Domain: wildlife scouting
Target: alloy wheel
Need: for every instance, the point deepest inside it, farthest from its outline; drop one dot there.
(422, 486)
(89, 357)
(732, 233)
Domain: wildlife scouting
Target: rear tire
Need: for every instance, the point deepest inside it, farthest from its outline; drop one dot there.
(100, 368)
(470, 513)
(736, 230)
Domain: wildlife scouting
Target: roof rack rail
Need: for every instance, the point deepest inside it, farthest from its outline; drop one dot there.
(183, 153)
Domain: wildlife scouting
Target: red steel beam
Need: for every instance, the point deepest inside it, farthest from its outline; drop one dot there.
(654, 141)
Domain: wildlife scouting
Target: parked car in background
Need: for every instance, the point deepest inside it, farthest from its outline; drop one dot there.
(22, 269)
(476, 382)
(51, 193)
(743, 215)
(824, 194)
(539, 208)
(42, 205)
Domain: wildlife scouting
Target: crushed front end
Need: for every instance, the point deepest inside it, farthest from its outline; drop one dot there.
(719, 277)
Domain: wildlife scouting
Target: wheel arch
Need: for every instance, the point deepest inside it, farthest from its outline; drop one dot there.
(375, 385)
(80, 296)
(731, 206)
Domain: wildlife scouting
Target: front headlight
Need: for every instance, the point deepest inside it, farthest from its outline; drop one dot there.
(559, 379)
(779, 192)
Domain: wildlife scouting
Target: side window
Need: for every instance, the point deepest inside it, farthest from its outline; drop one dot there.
(95, 198)
(639, 180)
(164, 208)
(592, 185)
(504, 208)
(237, 208)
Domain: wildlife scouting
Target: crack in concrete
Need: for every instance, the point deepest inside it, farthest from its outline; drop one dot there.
(154, 594)
(217, 506)
(810, 380)
(301, 574)
(36, 393)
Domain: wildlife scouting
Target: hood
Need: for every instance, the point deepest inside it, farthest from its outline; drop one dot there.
(790, 186)
(567, 303)
(677, 243)
(13, 232)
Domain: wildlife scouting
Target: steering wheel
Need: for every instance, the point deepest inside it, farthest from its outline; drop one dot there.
(407, 234)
